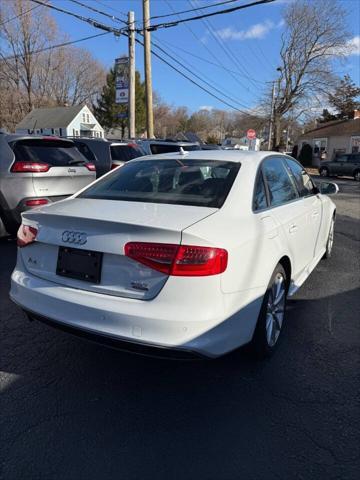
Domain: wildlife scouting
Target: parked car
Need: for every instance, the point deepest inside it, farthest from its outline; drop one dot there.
(107, 155)
(153, 147)
(347, 164)
(210, 146)
(36, 171)
(189, 253)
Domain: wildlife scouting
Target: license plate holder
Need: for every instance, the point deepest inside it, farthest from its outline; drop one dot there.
(79, 264)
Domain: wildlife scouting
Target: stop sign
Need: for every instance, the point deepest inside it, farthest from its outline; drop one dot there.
(251, 134)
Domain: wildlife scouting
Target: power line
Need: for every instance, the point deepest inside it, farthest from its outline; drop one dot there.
(206, 15)
(206, 60)
(111, 8)
(91, 21)
(20, 15)
(59, 45)
(163, 51)
(124, 31)
(218, 61)
(194, 82)
(112, 17)
(226, 49)
(194, 9)
(198, 76)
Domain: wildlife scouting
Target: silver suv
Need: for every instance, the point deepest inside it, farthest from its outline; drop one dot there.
(35, 171)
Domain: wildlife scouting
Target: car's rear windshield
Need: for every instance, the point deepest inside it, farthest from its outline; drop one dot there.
(168, 148)
(124, 153)
(203, 183)
(56, 153)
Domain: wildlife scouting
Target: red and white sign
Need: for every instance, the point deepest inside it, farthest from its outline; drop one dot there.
(251, 134)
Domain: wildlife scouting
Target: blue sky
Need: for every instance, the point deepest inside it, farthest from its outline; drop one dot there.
(252, 36)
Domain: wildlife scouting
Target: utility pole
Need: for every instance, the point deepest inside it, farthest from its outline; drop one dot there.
(271, 124)
(147, 62)
(131, 37)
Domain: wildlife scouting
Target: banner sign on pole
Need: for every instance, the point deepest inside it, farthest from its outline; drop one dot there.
(122, 80)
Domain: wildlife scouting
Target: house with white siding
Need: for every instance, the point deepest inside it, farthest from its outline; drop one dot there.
(75, 121)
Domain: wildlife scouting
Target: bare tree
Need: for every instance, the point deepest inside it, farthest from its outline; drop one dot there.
(24, 31)
(315, 32)
(32, 78)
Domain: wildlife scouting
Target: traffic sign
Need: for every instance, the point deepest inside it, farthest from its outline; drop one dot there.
(251, 134)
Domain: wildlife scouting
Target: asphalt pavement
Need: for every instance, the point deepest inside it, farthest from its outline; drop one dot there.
(74, 410)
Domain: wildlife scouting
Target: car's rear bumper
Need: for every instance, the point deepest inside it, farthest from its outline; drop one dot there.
(119, 343)
(166, 322)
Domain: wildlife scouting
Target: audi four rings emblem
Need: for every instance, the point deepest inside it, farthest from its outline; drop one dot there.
(79, 238)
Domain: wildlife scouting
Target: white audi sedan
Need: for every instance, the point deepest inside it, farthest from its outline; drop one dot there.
(182, 254)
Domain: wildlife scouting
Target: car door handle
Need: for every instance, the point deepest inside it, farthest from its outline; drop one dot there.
(293, 228)
(315, 214)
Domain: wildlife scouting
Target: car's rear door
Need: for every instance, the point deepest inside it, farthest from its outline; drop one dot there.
(288, 209)
(68, 170)
(310, 199)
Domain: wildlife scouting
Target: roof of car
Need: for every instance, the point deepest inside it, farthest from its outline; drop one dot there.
(18, 136)
(242, 156)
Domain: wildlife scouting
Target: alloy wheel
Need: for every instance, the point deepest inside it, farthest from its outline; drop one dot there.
(330, 238)
(275, 309)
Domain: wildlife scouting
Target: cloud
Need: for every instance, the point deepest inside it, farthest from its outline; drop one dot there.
(208, 108)
(259, 30)
(354, 46)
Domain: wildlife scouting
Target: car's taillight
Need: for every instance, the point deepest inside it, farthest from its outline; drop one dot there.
(91, 167)
(36, 202)
(26, 235)
(33, 167)
(179, 260)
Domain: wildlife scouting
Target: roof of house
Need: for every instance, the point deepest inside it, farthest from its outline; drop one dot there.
(336, 128)
(55, 117)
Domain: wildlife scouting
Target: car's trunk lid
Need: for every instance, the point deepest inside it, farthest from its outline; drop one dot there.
(107, 225)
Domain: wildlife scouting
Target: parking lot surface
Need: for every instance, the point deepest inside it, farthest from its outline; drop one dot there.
(75, 410)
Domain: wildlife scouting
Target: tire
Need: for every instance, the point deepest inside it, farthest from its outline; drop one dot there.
(330, 240)
(272, 314)
(357, 175)
(324, 172)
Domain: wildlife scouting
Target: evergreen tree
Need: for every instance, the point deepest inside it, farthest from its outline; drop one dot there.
(106, 110)
(346, 98)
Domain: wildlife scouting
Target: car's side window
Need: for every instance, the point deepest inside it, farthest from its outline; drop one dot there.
(260, 200)
(302, 179)
(280, 185)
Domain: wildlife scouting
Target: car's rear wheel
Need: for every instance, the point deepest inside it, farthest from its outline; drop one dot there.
(330, 240)
(271, 318)
(324, 172)
(357, 175)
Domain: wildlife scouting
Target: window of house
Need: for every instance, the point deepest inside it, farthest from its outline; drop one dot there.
(320, 146)
(355, 144)
(281, 187)
(84, 118)
(88, 118)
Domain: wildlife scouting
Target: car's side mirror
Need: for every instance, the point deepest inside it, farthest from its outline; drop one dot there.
(328, 188)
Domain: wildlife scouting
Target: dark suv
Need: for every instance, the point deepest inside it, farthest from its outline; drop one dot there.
(347, 164)
(106, 155)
